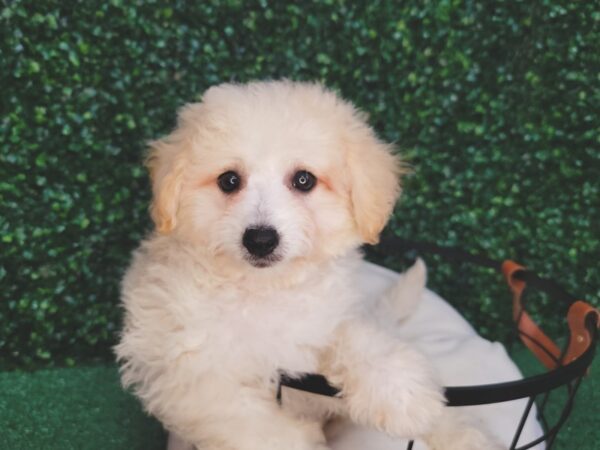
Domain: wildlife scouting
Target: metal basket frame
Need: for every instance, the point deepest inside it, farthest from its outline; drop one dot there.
(566, 367)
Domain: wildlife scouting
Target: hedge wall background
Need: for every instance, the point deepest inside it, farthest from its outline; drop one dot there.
(495, 104)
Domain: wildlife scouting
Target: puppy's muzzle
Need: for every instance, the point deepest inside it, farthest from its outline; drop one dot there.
(261, 241)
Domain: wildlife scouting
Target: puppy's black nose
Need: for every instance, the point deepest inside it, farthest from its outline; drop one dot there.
(260, 241)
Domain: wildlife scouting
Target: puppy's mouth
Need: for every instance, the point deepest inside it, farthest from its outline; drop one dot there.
(264, 261)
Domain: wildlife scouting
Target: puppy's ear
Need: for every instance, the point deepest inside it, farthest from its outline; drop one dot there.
(374, 180)
(166, 163)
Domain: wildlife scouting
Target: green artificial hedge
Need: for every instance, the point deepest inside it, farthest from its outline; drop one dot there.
(494, 104)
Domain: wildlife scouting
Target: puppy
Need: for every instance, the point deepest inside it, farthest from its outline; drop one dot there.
(261, 197)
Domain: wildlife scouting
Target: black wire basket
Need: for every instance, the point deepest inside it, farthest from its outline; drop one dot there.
(566, 366)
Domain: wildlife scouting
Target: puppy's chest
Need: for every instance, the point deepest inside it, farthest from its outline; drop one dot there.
(280, 330)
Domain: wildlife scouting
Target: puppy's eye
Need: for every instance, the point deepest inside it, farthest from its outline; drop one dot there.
(304, 181)
(229, 182)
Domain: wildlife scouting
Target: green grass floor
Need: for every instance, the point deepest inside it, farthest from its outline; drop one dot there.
(85, 408)
(73, 409)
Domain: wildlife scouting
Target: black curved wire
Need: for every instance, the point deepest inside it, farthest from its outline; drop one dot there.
(524, 417)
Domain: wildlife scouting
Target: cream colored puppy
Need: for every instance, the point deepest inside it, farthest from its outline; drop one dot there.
(262, 195)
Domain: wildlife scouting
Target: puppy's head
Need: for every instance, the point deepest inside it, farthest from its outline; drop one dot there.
(271, 173)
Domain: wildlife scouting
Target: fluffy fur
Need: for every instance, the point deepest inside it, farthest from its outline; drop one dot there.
(208, 330)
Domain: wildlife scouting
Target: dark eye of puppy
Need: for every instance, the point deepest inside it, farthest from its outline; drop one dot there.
(229, 182)
(304, 181)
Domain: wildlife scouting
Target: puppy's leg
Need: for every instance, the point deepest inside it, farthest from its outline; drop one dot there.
(264, 426)
(175, 442)
(385, 384)
(259, 426)
(212, 412)
(459, 430)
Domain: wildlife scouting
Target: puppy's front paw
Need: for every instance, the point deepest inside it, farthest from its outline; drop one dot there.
(406, 414)
(402, 399)
(465, 438)
(298, 446)
(461, 430)
(322, 447)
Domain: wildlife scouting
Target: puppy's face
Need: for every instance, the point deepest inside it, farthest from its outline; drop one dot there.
(272, 173)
